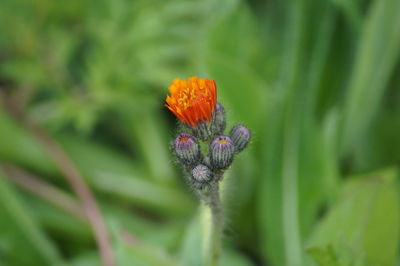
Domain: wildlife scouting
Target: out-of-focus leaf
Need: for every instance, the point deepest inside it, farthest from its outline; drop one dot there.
(132, 251)
(235, 60)
(377, 54)
(144, 130)
(319, 103)
(363, 221)
(352, 11)
(192, 252)
(86, 259)
(293, 182)
(194, 245)
(18, 146)
(76, 232)
(21, 233)
(167, 234)
(323, 256)
(228, 55)
(105, 169)
(59, 223)
(143, 254)
(124, 182)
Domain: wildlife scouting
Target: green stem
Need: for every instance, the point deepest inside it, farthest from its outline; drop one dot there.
(212, 199)
(217, 223)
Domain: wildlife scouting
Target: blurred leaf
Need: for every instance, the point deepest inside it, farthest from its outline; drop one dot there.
(323, 256)
(143, 254)
(315, 81)
(235, 59)
(122, 180)
(144, 130)
(378, 51)
(192, 252)
(104, 168)
(195, 243)
(364, 219)
(18, 146)
(76, 232)
(165, 234)
(59, 223)
(228, 55)
(352, 11)
(19, 225)
(293, 170)
(130, 251)
(87, 259)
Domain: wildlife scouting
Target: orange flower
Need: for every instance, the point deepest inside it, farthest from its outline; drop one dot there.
(192, 100)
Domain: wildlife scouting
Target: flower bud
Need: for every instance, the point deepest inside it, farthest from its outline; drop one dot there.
(201, 174)
(240, 136)
(221, 152)
(187, 149)
(203, 130)
(218, 120)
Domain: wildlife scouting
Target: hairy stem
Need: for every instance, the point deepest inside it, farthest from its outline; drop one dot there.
(212, 199)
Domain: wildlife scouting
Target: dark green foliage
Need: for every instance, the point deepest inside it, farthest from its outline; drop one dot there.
(317, 82)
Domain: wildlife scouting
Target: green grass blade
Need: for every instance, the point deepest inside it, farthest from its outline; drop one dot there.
(19, 214)
(278, 197)
(378, 52)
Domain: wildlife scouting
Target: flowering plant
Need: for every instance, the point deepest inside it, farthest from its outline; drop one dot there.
(203, 120)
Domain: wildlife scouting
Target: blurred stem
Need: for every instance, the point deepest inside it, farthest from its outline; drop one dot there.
(80, 187)
(49, 193)
(217, 222)
(212, 198)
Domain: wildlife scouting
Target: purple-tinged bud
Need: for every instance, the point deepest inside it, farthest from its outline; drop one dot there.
(201, 174)
(221, 152)
(187, 149)
(218, 120)
(240, 136)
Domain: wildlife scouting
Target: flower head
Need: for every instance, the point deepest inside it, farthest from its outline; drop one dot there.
(187, 149)
(221, 150)
(240, 136)
(201, 173)
(192, 100)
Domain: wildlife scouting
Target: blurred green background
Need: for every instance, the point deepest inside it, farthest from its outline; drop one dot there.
(317, 81)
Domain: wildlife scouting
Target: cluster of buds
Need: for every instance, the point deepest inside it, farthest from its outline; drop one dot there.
(193, 101)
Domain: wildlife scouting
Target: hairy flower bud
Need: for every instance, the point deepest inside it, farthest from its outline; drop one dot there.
(187, 149)
(201, 174)
(218, 120)
(240, 136)
(221, 152)
(203, 130)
